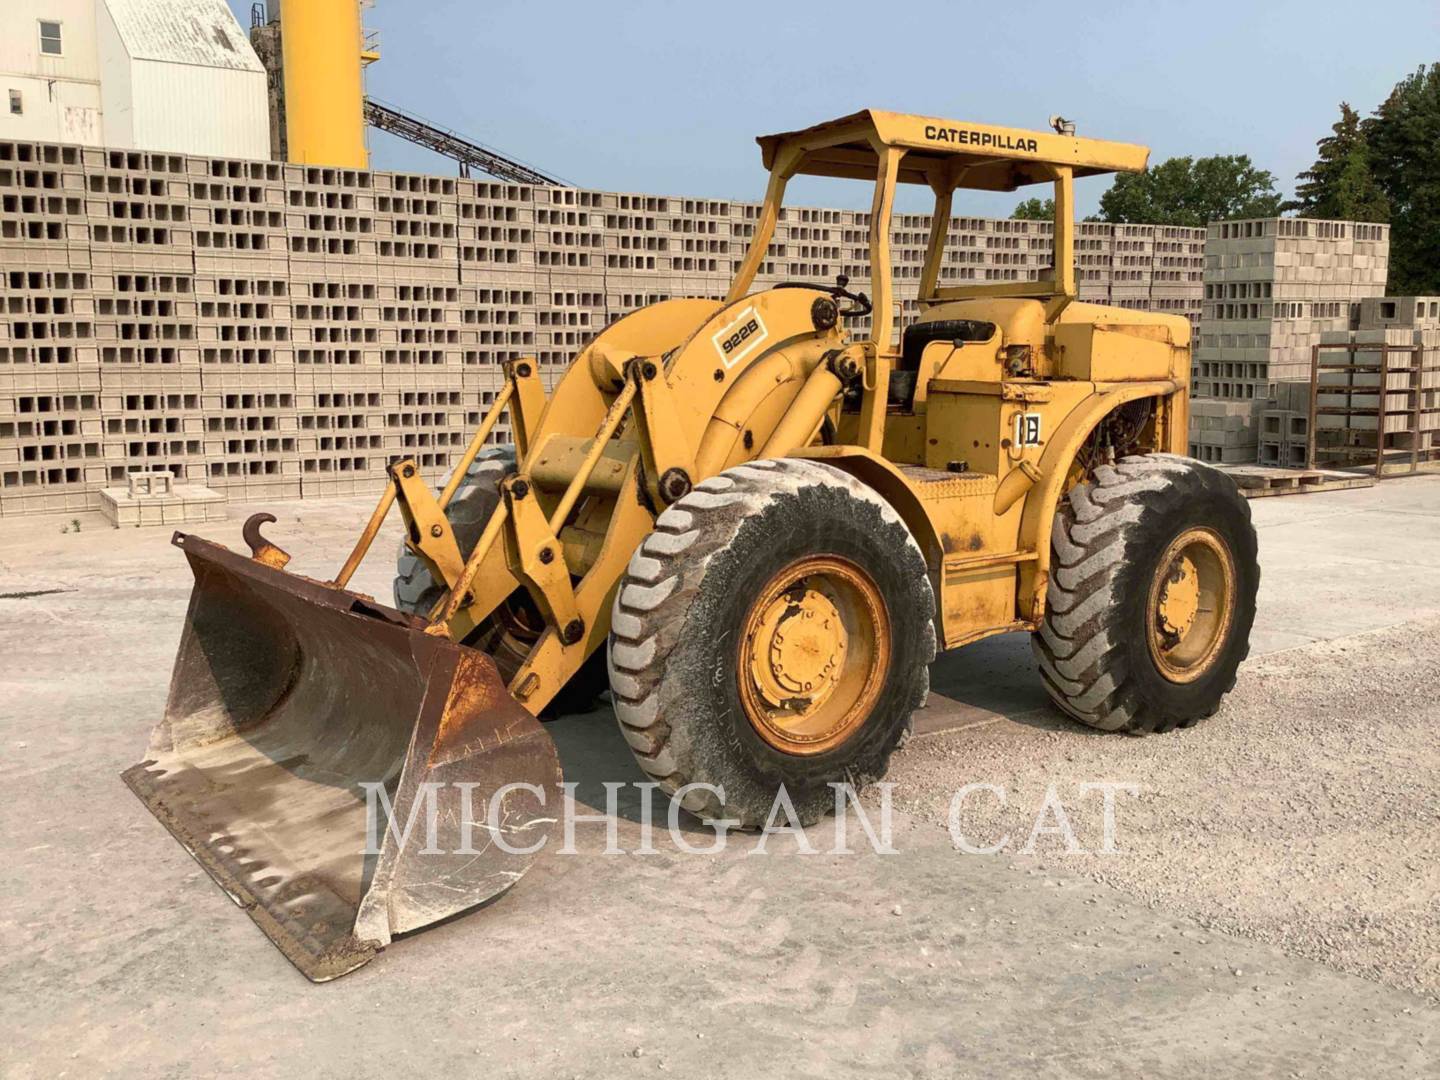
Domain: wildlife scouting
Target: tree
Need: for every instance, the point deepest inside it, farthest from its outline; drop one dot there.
(1341, 185)
(1192, 191)
(1404, 140)
(1034, 210)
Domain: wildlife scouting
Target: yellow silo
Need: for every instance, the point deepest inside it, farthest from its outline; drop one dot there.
(324, 92)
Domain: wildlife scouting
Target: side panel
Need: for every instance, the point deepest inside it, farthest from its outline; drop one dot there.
(1112, 353)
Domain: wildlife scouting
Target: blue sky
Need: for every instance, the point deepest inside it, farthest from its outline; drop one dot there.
(667, 97)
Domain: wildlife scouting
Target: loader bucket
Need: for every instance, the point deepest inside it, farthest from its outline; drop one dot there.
(288, 698)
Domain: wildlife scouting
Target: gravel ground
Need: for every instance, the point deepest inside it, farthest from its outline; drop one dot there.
(922, 964)
(1305, 814)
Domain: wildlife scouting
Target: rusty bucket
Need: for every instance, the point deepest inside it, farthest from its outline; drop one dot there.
(343, 775)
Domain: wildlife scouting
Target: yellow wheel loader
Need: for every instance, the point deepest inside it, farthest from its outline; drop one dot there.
(755, 520)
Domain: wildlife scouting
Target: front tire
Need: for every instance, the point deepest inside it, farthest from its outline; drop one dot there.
(775, 629)
(1151, 596)
(415, 588)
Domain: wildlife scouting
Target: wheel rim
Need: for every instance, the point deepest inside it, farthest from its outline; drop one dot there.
(814, 655)
(1191, 605)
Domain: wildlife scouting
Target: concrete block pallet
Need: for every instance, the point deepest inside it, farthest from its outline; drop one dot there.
(1257, 482)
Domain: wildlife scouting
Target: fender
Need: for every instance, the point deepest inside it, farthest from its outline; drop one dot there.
(884, 478)
(1043, 501)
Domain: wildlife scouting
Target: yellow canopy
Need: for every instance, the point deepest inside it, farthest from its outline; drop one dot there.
(988, 158)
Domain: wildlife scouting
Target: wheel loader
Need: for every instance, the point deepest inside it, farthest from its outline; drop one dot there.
(755, 521)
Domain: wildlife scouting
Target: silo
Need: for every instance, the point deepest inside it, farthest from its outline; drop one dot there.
(324, 92)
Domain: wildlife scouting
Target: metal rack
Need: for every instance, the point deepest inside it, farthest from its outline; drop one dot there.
(1352, 445)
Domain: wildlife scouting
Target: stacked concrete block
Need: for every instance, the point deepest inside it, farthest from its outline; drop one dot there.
(423, 337)
(51, 450)
(339, 375)
(1223, 432)
(42, 202)
(699, 238)
(273, 330)
(237, 206)
(330, 214)
(1407, 312)
(576, 254)
(1132, 265)
(497, 265)
(51, 444)
(151, 497)
(137, 205)
(142, 281)
(1094, 260)
(335, 274)
(1283, 424)
(1177, 271)
(1272, 290)
(417, 221)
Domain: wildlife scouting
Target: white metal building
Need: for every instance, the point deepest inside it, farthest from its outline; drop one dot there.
(172, 75)
(49, 71)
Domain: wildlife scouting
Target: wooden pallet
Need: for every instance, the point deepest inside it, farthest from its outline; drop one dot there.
(1261, 481)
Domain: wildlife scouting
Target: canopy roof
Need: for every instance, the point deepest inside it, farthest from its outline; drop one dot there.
(991, 158)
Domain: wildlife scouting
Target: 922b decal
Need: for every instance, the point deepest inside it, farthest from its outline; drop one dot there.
(740, 337)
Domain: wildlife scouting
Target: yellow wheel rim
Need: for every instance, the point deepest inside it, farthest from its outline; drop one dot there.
(814, 655)
(1191, 604)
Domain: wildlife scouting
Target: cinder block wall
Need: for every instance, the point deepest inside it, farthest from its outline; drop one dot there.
(275, 330)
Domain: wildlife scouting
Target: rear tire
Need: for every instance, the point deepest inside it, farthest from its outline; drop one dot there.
(417, 591)
(757, 550)
(1115, 651)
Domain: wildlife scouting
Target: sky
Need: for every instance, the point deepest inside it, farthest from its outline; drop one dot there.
(667, 97)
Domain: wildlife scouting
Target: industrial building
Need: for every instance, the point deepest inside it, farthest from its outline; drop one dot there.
(177, 76)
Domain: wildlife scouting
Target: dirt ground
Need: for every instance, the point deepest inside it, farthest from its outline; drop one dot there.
(1305, 814)
(1271, 910)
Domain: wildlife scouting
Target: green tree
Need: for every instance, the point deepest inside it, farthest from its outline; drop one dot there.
(1404, 139)
(1340, 184)
(1192, 191)
(1035, 210)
